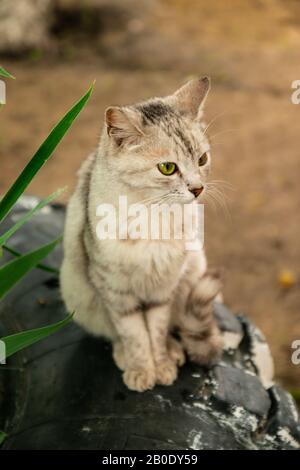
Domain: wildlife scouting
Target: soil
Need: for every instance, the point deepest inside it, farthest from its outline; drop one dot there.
(251, 51)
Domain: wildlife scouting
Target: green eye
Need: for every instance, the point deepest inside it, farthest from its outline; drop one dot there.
(167, 168)
(203, 159)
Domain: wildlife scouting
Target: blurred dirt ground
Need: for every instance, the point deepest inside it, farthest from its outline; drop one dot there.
(251, 50)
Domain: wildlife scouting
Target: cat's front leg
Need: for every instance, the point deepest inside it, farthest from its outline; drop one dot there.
(132, 351)
(158, 322)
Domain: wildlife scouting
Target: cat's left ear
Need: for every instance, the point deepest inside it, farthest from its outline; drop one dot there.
(190, 98)
(122, 125)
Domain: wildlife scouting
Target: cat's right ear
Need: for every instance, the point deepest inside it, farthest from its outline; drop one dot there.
(122, 125)
(190, 98)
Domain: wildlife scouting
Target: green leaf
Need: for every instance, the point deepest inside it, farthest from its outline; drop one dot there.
(42, 266)
(12, 272)
(4, 73)
(28, 215)
(18, 341)
(3, 436)
(41, 156)
(295, 392)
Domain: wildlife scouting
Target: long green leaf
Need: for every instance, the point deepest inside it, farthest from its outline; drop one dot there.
(42, 266)
(295, 392)
(28, 215)
(3, 436)
(12, 272)
(41, 156)
(4, 73)
(18, 341)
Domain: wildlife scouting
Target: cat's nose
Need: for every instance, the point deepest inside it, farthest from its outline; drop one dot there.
(196, 191)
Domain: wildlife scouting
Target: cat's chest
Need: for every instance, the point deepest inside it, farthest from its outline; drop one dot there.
(145, 266)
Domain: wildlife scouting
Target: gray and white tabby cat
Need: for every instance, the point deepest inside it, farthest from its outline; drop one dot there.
(134, 292)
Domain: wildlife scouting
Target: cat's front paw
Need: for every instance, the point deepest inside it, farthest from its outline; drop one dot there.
(166, 372)
(139, 380)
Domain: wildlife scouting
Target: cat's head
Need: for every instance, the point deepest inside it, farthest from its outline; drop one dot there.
(159, 147)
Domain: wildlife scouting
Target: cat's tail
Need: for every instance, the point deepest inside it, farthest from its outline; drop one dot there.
(199, 331)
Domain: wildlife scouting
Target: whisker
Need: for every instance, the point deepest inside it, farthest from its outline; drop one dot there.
(210, 201)
(219, 191)
(149, 199)
(218, 196)
(224, 183)
(213, 120)
(222, 187)
(163, 198)
(223, 199)
(216, 143)
(215, 201)
(223, 132)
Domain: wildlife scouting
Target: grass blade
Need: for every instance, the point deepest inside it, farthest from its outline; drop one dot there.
(296, 395)
(28, 215)
(42, 266)
(12, 272)
(4, 73)
(18, 341)
(3, 436)
(41, 156)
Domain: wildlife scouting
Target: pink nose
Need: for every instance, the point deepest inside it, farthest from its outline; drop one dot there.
(197, 191)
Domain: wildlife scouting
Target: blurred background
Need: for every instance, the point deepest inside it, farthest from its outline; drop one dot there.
(136, 49)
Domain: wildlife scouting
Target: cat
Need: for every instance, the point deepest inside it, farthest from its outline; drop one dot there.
(134, 291)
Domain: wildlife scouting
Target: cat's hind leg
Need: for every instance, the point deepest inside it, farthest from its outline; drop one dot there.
(175, 350)
(119, 354)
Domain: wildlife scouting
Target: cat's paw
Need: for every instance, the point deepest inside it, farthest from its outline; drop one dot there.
(166, 372)
(139, 380)
(175, 351)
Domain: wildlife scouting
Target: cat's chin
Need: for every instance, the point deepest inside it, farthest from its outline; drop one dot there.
(191, 201)
(183, 200)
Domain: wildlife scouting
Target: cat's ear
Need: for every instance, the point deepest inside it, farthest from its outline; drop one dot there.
(122, 125)
(190, 98)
